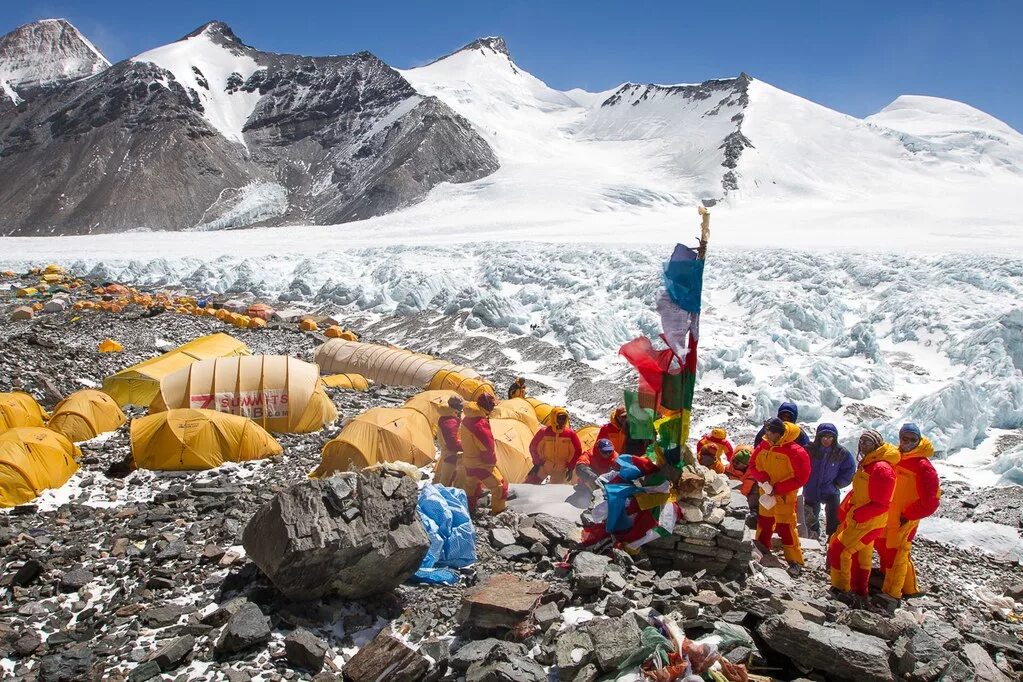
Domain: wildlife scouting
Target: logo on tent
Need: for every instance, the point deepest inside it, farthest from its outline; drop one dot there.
(266, 404)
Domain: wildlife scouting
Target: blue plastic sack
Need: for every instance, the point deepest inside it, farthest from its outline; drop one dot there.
(444, 513)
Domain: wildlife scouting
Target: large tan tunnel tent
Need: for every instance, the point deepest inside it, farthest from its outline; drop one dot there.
(86, 414)
(399, 367)
(188, 440)
(19, 409)
(139, 384)
(281, 393)
(381, 434)
(512, 439)
(33, 459)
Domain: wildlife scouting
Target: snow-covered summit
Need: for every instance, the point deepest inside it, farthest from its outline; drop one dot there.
(926, 116)
(211, 63)
(46, 53)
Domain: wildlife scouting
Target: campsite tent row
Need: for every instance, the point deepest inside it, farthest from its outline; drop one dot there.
(399, 367)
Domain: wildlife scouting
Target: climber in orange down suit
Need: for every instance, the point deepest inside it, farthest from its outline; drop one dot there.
(478, 469)
(555, 449)
(863, 515)
(450, 445)
(781, 466)
(917, 494)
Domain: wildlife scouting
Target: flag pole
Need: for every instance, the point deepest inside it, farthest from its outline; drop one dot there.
(701, 253)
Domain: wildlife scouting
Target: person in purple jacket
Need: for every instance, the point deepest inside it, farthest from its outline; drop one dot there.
(831, 469)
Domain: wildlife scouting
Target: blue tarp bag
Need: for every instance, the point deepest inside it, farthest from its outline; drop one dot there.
(445, 516)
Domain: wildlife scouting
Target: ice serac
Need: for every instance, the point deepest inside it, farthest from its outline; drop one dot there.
(45, 54)
(210, 133)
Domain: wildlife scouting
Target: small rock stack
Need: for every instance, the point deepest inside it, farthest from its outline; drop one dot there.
(711, 534)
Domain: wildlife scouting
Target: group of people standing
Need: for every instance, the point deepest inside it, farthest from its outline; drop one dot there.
(892, 489)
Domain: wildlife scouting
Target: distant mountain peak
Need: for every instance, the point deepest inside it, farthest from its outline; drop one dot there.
(495, 44)
(218, 31)
(47, 52)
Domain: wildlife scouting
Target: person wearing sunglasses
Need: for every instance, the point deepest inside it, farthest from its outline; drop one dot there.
(917, 495)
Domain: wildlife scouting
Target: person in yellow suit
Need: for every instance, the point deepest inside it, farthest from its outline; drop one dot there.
(863, 515)
(781, 466)
(555, 449)
(448, 425)
(917, 494)
(478, 465)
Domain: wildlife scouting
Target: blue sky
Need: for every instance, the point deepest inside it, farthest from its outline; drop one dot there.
(854, 57)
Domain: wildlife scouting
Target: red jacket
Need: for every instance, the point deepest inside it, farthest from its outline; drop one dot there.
(928, 488)
(725, 444)
(561, 448)
(613, 433)
(598, 463)
(448, 427)
(482, 447)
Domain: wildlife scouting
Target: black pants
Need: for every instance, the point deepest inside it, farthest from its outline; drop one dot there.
(812, 511)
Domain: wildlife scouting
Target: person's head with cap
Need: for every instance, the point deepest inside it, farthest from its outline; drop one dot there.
(718, 433)
(605, 447)
(620, 416)
(560, 419)
(826, 435)
(456, 403)
(774, 429)
(788, 412)
(709, 454)
(909, 437)
(870, 440)
(486, 401)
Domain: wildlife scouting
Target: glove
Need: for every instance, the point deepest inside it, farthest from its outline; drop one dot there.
(767, 487)
(767, 501)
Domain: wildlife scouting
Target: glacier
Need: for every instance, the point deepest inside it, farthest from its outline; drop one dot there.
(861, 340)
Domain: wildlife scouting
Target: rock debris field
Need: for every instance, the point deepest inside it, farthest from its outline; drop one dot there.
(143, 575)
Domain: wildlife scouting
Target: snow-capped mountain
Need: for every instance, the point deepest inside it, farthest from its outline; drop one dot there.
(473, 145)
(44, 54)
(209, 133)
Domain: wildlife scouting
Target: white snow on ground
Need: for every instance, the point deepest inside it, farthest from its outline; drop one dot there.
(203, 67)
(996, 539)
(9, 91)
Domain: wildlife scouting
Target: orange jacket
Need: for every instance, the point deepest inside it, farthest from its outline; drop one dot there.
(872, 487)
(917, 488)
(613, 432)
(786, 465)
(551, 446)
(718, 437)
(478, 446)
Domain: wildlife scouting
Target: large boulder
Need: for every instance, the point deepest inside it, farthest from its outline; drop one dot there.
(842, 654)
(351, 535)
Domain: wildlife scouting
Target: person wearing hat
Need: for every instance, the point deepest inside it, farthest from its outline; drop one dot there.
(717, 441)
(596, 462)
(831, 469)
(788, 412)
(517, 389)
(478, 468)
(863, 515)
(917, 495)
(781, 466)
(448, 425)
(616, 430)
(555, 449)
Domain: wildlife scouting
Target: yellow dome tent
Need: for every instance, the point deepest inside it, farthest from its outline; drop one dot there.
(399, 367)
(588, 436)
(19, 409)
(139, 384)
(354, 382)
(517, 408)
(381, 434)
(429, 404)
(86, 414)
(512, 439)
(187, 440)
(281, 393)
(33, 459)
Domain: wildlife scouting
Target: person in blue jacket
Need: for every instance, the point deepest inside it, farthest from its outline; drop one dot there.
(787, 412)
(831, 469)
